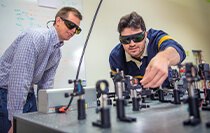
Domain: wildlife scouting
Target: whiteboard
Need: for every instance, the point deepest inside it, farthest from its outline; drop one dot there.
(19, 15)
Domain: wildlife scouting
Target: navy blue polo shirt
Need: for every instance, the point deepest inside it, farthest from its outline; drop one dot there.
(158, 41)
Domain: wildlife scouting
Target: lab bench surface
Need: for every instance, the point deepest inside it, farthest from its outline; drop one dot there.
(159, 118)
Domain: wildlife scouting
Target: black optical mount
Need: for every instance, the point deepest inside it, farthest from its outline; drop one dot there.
(102, 86)
(161, 95)
(176, 92)
(208, 124)
(98, 95)
(120, 102)
(194, 114)
(203, 73)
(133, 85)
(78, 91)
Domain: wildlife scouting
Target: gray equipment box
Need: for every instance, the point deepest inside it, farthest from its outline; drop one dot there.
(50, 98)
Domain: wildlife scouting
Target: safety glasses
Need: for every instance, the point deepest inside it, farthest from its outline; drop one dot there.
(70, 25)
(136, 38)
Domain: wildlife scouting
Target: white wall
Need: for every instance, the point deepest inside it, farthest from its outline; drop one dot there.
(187, 21)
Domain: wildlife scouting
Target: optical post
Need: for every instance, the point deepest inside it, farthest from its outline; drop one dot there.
(120, 102)
(132, 85)
(176, 92)
(78, 91)
(102, 86)
(161, 95)
(194, 114)
(203, 72)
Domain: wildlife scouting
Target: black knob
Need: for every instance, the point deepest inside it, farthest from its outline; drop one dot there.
(70, 81)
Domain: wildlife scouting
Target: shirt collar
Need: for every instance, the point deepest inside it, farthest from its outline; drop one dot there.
(54, 38)
(129, 58)
(60, 44)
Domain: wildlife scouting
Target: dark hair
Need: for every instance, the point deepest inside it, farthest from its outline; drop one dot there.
(132, 20)
(63, 12)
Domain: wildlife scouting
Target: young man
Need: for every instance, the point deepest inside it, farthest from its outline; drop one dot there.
(33, 59)
(146, 55)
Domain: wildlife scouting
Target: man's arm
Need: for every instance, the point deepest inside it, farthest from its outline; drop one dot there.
(11, 129)
(20, 77)
(157, 70)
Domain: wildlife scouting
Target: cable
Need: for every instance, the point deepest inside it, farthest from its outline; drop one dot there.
(87, 39)
(49, 22)
(204, 89)
(83, 52)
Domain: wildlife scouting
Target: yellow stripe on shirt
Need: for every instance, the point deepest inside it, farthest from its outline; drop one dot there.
(166, 37)
(113, 71)
(139, 77)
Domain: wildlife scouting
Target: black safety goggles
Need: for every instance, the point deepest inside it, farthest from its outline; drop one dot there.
(136, 38)
(70, 25)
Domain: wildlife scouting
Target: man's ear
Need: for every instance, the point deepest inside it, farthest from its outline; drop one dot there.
(58, 20)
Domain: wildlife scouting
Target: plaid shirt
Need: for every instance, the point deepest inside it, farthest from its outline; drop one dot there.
(31, 59)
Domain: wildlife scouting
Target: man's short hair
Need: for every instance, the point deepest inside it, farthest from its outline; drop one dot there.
(63, 12)
(132, 20)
